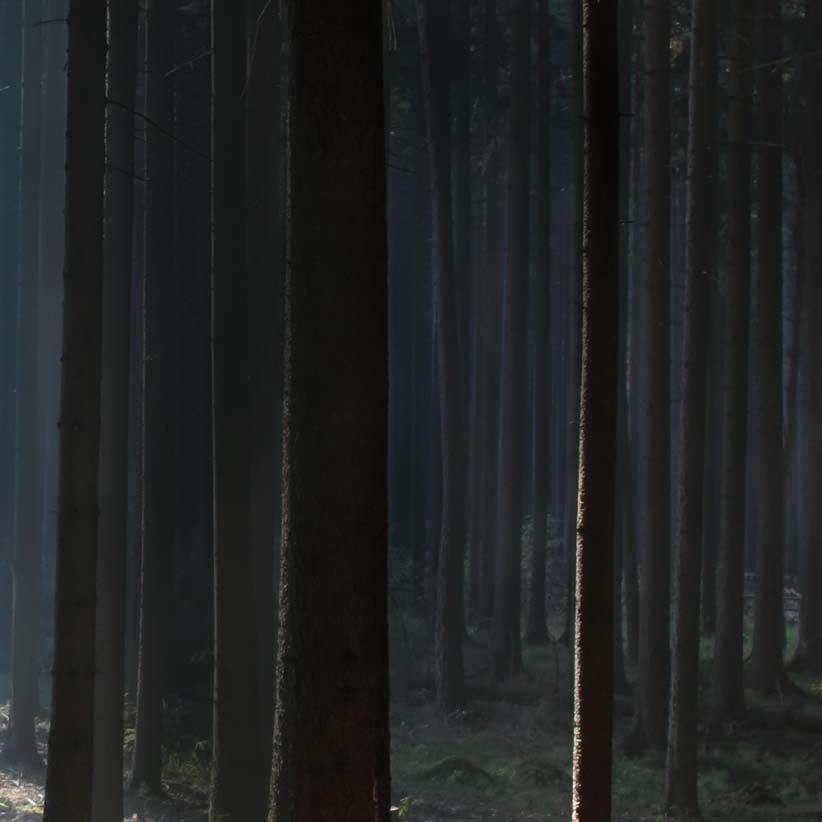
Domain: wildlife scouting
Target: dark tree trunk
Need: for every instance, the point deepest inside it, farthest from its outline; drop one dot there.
(728, 685)
(237, 775)
(490, 300)
(265, 162)
(767, 667)
(111, 561)
(434, 26)
(681, 764)
(331, 727)
(70, 760)
(159, 317)
(652, 361)
(20, 745)
(809, 652)
(540, 299)
(506, 649)
(593, 681)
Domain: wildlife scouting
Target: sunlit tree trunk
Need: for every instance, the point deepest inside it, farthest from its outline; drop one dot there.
(593, 679)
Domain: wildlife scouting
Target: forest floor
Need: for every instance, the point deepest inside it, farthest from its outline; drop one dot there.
(503, 761)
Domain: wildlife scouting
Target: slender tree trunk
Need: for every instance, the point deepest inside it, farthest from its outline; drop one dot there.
(265, 163)
(506, 650)
(490, 302)
(159, 317)
(434, 25)
(728, 685)
(21, 745)
(652, 360)
(681, 764)
(593, 680)
(331, 727)
(237, 776)
(767, 667)
(540, 299)
(809, 653)
(111, 560)
(70, 761)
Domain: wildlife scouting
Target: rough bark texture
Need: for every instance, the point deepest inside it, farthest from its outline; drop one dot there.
(681, 763)
(158, 412)
(20, 744)
(593, 674)
(652, 360)
(237, 776)
(331, 722)
(506, 649)
(728, 685)
(69, 776)
(111, 560)
(766, 339)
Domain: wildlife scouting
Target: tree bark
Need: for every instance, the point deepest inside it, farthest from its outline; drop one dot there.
(593, 679)
(681, 763)
(159, 317)
(767, 669)
(68, 793)
(111, 561)
(728, 684)
(331, 727)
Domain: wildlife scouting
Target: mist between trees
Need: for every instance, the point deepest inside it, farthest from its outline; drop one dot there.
(410, 408)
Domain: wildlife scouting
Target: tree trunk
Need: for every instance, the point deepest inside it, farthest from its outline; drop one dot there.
(237, 776)
(540, 299)
(331, 727)
(767, 667)
(159, 317)
(434, 26)
(809, 653)
(728, 685)
(506, 650)
(652, 361)
(681, 764)
(70, 762)
(593, 681)
(20, 745)
(111, 561)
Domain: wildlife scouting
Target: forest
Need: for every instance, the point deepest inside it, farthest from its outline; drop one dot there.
(410, 409)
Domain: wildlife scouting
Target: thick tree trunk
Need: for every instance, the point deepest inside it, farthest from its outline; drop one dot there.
(767, 667)
(111, 560)
(681, 764)
(159, 317)
(728, 685)
(593, 680)
(331, 727)
(70, 760)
